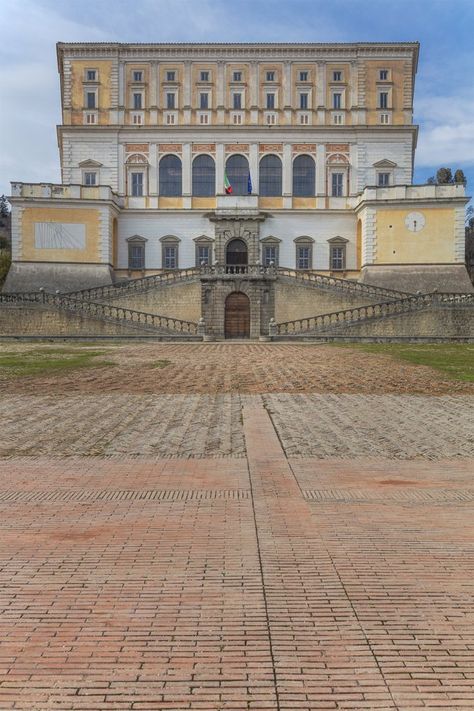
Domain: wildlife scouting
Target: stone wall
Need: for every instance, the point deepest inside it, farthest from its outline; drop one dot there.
(294, 300)
(30, 320)
(448, 322)
(180, 300)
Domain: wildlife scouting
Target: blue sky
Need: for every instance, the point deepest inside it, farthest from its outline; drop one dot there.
(29, 111)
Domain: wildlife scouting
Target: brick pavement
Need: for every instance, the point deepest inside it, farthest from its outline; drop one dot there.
(180, 552)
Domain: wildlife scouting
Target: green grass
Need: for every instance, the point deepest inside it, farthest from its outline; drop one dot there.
(453, 359)
(51, 360)
(160, 363)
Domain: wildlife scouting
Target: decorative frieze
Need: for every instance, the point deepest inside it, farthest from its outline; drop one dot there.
(170, 147)
(137, 147)
(271, 147)
(304, 147)
(337, 147)
(237, 147)
(204, 147)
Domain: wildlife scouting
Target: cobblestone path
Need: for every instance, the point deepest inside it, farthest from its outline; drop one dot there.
(253, 552)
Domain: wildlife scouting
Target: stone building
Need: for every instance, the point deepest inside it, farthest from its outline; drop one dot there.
(316, 142)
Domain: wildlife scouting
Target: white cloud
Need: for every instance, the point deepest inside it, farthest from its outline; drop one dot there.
(447, 130)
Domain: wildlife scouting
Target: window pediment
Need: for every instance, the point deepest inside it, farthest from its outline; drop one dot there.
(89, 163)
(338, 240)
(385, 163)
(338, 159)
(203, 238)
(170, 238)
(270, 239)
(303, 239)
(137, 159)
(136, 238)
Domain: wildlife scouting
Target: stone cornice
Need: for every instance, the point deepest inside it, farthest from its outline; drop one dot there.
(233, 51)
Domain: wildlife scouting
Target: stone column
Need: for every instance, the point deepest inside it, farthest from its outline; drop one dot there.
(253, 164)
(220, 90)
(220, 166)
(187, 173)
(287, 182)
(254, 98)
(187, 93)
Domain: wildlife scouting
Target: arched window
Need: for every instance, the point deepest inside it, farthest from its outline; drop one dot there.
(304, 174)
(170, 176)
(237, 169)
(270, 176)
(204, 176)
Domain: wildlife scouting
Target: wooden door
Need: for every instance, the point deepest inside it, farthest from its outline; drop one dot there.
(237, 315)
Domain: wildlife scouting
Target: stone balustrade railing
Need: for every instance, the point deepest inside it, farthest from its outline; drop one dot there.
(347, 285)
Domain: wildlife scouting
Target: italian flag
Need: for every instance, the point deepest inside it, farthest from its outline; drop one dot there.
(227, 185)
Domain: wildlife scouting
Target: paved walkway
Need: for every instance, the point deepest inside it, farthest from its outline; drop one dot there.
(255, 582)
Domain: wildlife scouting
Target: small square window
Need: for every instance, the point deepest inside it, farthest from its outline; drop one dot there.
(303, 101)
(383, 74)
(270, 101)
(204, 76)
(137, 76)
(237, 76)
(170, 76)
(91, 118)
(203, 101)
(383, 179)
(337, 76)
(303, 76)
(170, 101)
(90, 178)
(91, 75)
(270, 76)
(237, 101)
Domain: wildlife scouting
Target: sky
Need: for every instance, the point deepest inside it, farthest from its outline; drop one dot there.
(29, 93)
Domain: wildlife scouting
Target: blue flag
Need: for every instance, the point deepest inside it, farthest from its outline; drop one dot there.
(249, 185)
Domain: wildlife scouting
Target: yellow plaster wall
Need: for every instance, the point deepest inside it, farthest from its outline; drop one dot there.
(434, 244)
(207, 203)
(304, 202)
(395, 84)
(274, 203)
(170, 202)
(89, 217)
(78, 67)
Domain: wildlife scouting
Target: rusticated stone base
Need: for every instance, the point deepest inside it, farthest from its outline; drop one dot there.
(419, 277)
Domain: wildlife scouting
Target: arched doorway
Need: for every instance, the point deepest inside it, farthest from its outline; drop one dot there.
(236, 256)
(237, 315)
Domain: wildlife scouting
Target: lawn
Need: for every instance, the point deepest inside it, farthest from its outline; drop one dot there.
(42, 361)
(454, 359)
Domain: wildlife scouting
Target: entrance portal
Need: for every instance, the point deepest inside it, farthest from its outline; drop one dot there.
(237, 315)
(236, 257)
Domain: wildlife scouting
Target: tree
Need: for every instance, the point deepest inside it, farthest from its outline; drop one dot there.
(4, 206)
(431, 180)
(444, 176)
(459, 177)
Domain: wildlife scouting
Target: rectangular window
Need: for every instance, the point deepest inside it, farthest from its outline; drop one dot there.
(270, 76)
(337, 180)
(170, 101)
(270, 101)
(337, 76)
(170, 76)
(170, 254)
(90, 178)
(91, 75)
(203, 101)
(91, 118)
(204, 76)
(90, 100)
(336, 101)
(303, 101)
(383, 179)
(237, 101)
(337, 119)
(237, 118)
(137, 76)
(383, 100)
(303, 257)
(137, 101)
(337, 258)
(383, 74)
(270, 255)
(203, 254)
(136, 256)
(237, 76)
(137, 184)
(384, 118)
(303, 76)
